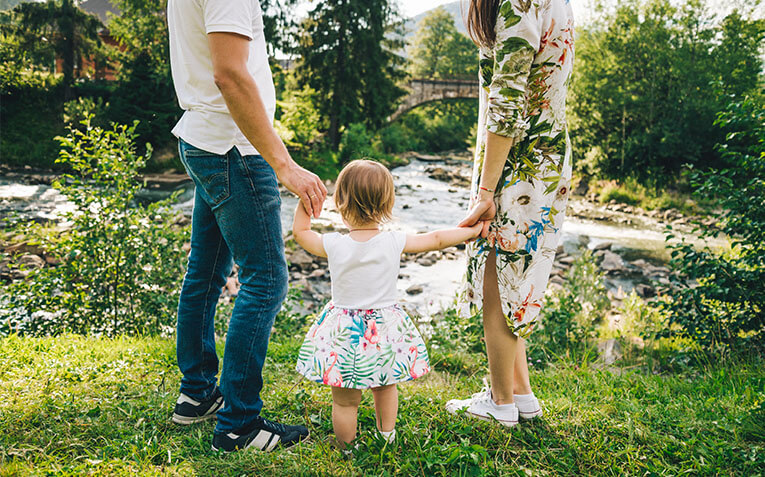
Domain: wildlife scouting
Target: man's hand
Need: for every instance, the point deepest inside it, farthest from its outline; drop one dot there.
(306, 185)
(483, 211)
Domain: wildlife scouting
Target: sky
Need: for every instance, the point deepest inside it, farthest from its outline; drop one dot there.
(411, 8)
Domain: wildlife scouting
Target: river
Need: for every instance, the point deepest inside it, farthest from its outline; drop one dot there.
(423, 203)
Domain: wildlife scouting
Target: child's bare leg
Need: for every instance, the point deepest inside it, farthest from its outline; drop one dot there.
(386, 406)
(345, 407)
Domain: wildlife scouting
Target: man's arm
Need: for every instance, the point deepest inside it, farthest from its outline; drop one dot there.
(229, 53)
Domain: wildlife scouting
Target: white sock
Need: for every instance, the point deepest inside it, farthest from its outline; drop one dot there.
(389, 436)
(523, 398)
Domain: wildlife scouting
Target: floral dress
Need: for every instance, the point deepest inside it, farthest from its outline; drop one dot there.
(524, 78)
(362, 338)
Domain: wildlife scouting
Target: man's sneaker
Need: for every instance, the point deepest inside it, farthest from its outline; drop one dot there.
(528, 409)
(189, 411)
(263, 435)
(482, 406)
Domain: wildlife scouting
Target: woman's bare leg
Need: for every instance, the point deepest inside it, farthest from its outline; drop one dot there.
(501, 343)
(386, 407)
(345, 407)
(521, 384)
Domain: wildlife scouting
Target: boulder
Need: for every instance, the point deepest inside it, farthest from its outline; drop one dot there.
(602, 246)
(414, 290)
(611, 262)
(301, 259)
(31, 261)
(610, 351)
(645, 291)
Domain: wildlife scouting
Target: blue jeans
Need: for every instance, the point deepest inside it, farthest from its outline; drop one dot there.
(235, 219)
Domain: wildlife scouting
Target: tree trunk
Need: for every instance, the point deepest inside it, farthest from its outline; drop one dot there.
(334, 117)
(67, 54)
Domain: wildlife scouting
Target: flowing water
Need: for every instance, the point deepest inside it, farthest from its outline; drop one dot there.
(422, 204)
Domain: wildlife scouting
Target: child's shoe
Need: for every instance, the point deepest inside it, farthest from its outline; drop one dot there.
(482, 406)
(528, 406)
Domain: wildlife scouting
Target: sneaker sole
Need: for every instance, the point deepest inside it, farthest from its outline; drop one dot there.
(530, 415)
(255, 449)
(186, 420)
(492, 419)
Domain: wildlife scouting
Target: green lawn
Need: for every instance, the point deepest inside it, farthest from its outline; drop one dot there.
(74, 405)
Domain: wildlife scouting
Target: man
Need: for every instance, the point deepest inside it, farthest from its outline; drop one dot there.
(233, 155)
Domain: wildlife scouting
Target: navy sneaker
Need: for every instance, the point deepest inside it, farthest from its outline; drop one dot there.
(189, 411)
(263, 435)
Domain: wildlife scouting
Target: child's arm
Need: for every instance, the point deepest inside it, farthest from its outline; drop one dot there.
(439, 239)
(307, 238)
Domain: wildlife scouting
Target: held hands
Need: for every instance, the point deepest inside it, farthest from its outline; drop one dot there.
(482, 212)
(306, 185)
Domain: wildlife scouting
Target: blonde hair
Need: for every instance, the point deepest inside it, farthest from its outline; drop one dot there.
(364, 192)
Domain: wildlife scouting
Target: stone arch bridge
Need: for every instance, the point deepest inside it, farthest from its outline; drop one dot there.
(423, 91)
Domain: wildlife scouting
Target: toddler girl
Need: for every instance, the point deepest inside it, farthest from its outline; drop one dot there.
(363, 339)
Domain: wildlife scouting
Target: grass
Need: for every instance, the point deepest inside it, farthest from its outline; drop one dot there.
(73, 405)
(631, 192)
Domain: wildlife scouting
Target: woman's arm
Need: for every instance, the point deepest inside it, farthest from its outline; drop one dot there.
(497, 149)
(518, 39)
(307, 238)
(440, 239)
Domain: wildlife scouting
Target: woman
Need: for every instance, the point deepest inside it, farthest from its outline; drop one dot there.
(520, 186)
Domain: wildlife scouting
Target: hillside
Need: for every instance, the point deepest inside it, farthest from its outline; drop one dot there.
(454, 8)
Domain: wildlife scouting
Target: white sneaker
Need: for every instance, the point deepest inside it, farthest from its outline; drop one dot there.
(528, 409)
(482, 406)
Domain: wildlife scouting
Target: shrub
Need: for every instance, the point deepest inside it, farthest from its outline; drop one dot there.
(569, 317)
(120, 262)
(30, 117)
(718, 297)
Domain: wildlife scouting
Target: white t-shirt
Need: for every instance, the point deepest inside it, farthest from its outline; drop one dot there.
(364, 274)
(206, 122)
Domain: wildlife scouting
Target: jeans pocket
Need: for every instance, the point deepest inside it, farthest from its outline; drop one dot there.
(210, 173)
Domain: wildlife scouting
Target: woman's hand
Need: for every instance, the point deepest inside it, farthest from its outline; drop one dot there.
(482, 211)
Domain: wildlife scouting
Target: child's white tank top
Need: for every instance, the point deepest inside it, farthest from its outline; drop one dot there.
(364, 274)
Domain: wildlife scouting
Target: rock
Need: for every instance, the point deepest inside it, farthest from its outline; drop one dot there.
(428, 157)
(560, 250)
(317, 273)
(641, 264)
(425, 262)
(610, 351)
(602, 246)
(582, 186)
(300, 258)
(434, 256)
(31, 261)
(584, 240)
(414, 290)
(611, 262)
(645, 291)
(566, 260)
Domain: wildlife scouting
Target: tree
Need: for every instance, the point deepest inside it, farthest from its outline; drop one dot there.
(439, 50)
(648, 84)
(347, 50)
(57, 29)
(717, 297)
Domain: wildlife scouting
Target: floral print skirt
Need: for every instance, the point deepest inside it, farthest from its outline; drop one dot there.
(524, 235)
(361, 349)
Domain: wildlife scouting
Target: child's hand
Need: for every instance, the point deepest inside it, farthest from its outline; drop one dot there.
(476, 229)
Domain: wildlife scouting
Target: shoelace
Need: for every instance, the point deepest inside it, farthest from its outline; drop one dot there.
(274, 426)
(485, 393)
